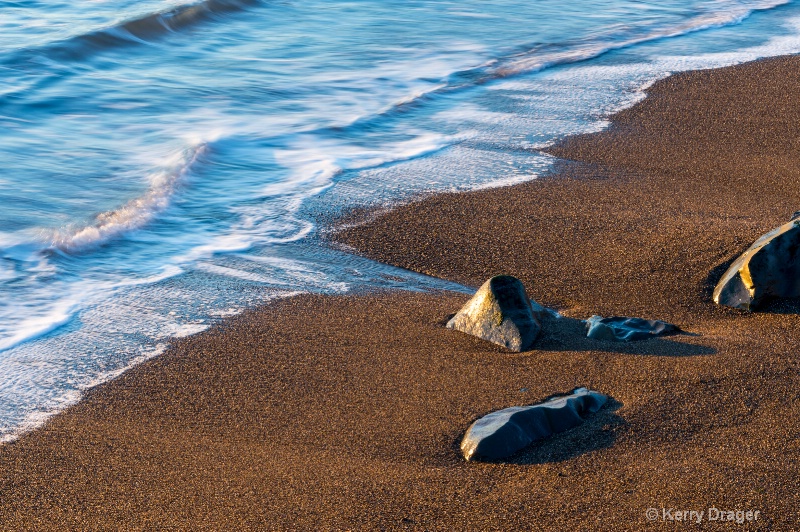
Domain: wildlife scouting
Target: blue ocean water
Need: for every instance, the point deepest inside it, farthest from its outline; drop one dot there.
(164, 162)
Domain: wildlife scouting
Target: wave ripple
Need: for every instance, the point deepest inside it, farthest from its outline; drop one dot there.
(134, 214)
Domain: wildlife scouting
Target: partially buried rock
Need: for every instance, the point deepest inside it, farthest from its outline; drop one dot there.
(769, 268)
(500, 434)
(624, 329)
(499, 312)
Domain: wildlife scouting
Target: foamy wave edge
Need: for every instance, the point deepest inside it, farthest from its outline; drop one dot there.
(541, 58)
(39, 417)
(135, 214)
(534, 60)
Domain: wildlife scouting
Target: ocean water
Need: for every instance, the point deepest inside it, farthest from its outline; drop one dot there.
(164, 162)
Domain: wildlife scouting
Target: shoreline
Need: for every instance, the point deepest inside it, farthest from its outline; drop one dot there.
(344, 412)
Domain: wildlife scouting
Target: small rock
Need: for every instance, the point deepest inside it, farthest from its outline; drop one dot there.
(504, 432)
(769, 268)
(624, 329)
(499, 312)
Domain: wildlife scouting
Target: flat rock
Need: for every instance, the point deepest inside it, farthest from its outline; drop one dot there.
(502, 433)
(499, 312)
(624, 329)
(770, 268)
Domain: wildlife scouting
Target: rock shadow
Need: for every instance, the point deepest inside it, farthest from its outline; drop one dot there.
(787, 305)
(569, 334)
(598, 431)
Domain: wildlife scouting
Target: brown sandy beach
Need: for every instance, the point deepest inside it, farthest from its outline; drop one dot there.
(345, 412)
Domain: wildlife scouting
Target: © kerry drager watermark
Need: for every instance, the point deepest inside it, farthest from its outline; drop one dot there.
(737, 516)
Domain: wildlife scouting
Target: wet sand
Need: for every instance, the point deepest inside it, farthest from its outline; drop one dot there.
(345, 412)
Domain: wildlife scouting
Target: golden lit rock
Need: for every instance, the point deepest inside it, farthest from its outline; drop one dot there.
(770, 268)
(499, 312)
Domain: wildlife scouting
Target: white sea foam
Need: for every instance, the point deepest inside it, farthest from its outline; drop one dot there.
(723, 14)
(776, 46)
(39, 416)
(313, 165)
(41, 324)
(225, 243)
(639, 77)
(316, 160)
(718, 14)
(226, 312)
(185, 329)
(137, 212)
(167, 271)
(293, 271)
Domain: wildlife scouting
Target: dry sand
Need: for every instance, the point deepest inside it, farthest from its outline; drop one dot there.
(339, 413)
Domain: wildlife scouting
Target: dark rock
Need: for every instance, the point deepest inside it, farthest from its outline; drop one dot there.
(537, 310)
(540, 312)
(502, 433)
(624, 329)
(769, 268)
(499, 312)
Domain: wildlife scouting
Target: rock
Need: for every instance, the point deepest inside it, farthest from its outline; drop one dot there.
(537, 310)
(499, 312)
(502, 433)
(769, 268)
(624, 329)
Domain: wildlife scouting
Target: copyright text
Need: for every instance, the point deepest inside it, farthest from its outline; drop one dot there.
(712, 513)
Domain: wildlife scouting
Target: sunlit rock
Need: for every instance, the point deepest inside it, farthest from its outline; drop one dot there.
(499, 312)
(769, 268)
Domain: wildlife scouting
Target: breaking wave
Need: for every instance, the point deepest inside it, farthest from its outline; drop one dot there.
(540, 57)
(136, 213)
(145, 29)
